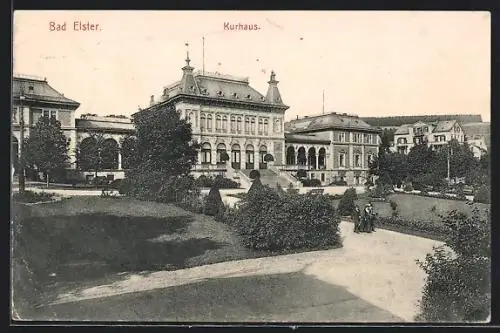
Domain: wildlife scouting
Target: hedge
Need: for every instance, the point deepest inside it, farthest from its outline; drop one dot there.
(268, 220)
(431, 229)
(311, 182)
(31, 197)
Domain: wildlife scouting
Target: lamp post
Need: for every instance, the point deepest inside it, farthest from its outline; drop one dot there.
(22, 183)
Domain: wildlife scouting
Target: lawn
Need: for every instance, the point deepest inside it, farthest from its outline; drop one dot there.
(85, 241)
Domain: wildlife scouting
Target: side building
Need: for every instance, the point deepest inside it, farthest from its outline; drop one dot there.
(38, 98)
(332, 147)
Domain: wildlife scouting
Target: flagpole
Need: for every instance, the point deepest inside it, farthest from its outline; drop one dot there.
(323, 101)
(203, 55)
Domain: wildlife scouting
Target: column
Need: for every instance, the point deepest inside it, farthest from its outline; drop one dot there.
(213, 152)
(296, 155)
(317, 159)
(363, 156)
(119, 159)
(256, 159)
(350, 157)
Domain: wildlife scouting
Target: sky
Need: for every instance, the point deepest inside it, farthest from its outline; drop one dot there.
(364, 62)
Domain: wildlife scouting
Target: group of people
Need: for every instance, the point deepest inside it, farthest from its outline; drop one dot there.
(364, 221)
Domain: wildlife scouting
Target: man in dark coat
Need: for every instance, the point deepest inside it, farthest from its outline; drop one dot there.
(356, 218)
(365, 225)
(372, 218)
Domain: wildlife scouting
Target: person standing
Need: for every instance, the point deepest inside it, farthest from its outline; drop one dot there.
(356, 218)
(365, 226)
(372, 218)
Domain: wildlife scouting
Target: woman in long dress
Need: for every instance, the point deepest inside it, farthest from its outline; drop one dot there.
(366, 225)
(356, 218)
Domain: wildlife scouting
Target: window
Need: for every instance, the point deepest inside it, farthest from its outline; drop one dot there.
(322, 177)
(233, 124)
(357, 160)
(370, 158)
(190, 118)
(261, 126)
(342, 137)
(203, 122)
(239, 125)
(370, 138)
(426, 129)
(206, 153)
(252, 128)
(356, 137)
(247, 125)
(218, 126)
(14, 114)
(50, 113)
(266, 127)
(342, 160)
(224, 124)
(209, 122)
(277, 126)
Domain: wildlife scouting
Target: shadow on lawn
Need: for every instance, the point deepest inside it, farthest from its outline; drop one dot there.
(92, 246)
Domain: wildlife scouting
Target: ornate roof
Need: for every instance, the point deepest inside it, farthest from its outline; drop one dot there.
(301, 138)
(222, 87)
(328, 121)
(39, 90)
(444, 126)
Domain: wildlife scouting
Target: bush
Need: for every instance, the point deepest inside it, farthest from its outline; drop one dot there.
(268, 158)
(311, 182)
(458, 286)
(192, 203)
(346, 204)
(267, 220)
(124, 186)
(32, 197)
(223, 182)
(100, 181)
(254, 174)
(213, 203)
(204, 181)
(408, 188)
(116, 184)
(256, 186)
(339, 183)
(394, 204)
(369, 183)
(413, 225)
(301, 173)
(482, 195)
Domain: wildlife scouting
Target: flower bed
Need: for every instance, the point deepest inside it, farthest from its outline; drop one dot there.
(450, 196)
(413, 227)
(31, 197)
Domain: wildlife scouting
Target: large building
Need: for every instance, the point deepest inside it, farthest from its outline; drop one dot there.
(229, 116)
(38, 98)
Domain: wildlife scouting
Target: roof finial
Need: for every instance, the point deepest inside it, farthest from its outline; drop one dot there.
(187, 53)
(273, 76)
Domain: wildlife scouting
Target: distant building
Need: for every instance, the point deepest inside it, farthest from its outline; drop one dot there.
(436, 135)
(478, 137)
(397, 121)
(41, 99)
(333, 146)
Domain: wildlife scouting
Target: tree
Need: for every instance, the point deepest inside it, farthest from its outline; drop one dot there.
(165, 151)
(458, 286)
(213, 202)
(254, 174)
(346, 204)
(128, 150)
(462, 160)
(256, 187)
(419, 159)
(47, 148)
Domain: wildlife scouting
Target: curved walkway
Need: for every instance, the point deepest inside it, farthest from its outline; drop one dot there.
(379, 268)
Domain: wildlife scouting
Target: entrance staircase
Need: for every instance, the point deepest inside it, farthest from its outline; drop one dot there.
(272, 178)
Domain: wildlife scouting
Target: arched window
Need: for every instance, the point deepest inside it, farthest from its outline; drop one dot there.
(206, 153)
(209, 122)
(109, 154)
(239, 125)
(250, 157)
(87, 155)
(261, 125)
(311, 158)
(262, 153)
(203, 122)
(322, 158)
(277, 126)
(218, 126)
(266, 126)
(190, 117)
(221, 150)
(235, 156)
(224, 124)
(233, 124)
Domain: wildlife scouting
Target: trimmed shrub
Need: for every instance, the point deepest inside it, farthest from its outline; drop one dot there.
(346, 204)
(31, 197)
(408, 188)
(458, 284)
(301, 173)
(266, 220)
(268, 158)
(254, 174)
(256, 186)
(311, 182)
(204, 181)
(339, 183)
(213, 203)
(394, 204)
(125, 186)
(482, 195)
(223, 182)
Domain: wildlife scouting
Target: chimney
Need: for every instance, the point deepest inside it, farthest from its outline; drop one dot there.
(297, 117)
(152, 100)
